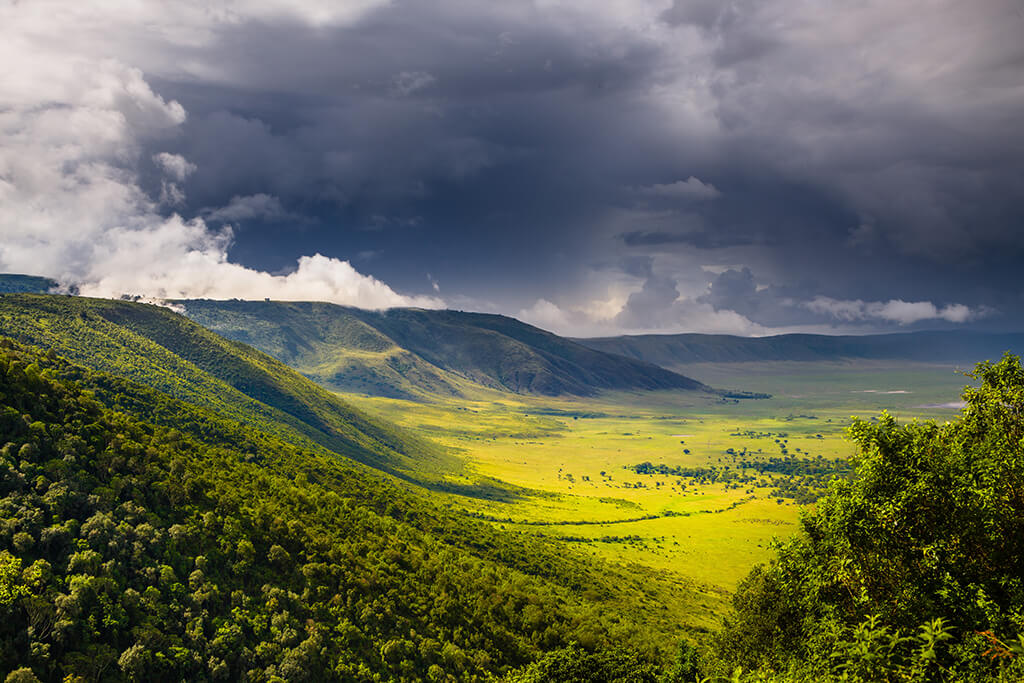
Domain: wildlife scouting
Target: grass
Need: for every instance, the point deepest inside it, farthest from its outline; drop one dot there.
(155, 347)
(571, 456)
(417, 354)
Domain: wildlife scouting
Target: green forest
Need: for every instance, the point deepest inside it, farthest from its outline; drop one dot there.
(174, 506)
(210, 551)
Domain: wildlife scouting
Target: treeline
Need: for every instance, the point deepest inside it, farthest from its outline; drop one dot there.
(802, 479)
(802, 467)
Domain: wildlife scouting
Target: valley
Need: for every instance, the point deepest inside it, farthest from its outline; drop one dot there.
(547, 433)
(570, 458)
(547, 430)
(472, 524)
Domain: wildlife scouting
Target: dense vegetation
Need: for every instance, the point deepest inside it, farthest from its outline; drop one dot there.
(802, 479)
(156, 347)
(10, 283)
(213, 551)
(410, 353)
(913, 568)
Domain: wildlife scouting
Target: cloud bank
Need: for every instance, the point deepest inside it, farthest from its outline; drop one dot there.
(731, 303)
(73, 132)
(894, 310)
(691, 188)
(620, 166)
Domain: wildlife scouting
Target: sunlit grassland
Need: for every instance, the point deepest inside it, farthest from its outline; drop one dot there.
(571, 456)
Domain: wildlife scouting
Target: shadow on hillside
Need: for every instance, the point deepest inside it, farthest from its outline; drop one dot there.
(490, 490)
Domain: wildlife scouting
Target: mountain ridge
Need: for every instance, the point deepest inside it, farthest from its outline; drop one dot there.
(679, 350)
(15, 283)
(156, 347)
(375, 352)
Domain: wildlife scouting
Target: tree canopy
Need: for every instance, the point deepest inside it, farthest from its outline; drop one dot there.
(920, 551)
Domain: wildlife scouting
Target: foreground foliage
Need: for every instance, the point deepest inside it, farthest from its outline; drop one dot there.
(913, 569)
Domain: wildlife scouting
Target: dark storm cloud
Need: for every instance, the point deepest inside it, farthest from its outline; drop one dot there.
(737, 290)
(415, 99)
(818, 153)
(411, 96)
(491, 126)
(701, 240)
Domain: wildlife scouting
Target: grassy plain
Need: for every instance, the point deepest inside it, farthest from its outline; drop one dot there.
(567, 459)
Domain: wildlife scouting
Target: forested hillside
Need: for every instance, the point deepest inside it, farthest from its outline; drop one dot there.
(404, 352)
(175, 506)
(156, 347)
(147, 539)
(11, 283)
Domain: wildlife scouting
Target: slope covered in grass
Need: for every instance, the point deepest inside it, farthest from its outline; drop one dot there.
(329, 344)
(407, 352)
(157, 347)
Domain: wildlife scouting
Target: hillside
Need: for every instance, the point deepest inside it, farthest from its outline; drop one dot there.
(156, 347)
(329, 344)
(11, 283)
(145, 538)
(678, 350)
(413, 352)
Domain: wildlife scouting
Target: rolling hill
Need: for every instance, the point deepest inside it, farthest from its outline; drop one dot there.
(156, 347)
(679, 350)
(12, 283)
(410, 353)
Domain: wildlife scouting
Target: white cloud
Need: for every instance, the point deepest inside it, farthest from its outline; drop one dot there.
(547, 316)
(665, 301)
(174, 165)
(691, 188)
(894, 310)
(177, 168)
(206, 274)
(685, 315)
(313, 12)
(72, 131)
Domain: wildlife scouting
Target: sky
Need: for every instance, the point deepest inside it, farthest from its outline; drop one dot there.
(594, 168)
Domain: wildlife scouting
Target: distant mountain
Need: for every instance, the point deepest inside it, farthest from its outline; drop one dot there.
(405, 352)
(10, 284)
(678, 350)
(156, 347)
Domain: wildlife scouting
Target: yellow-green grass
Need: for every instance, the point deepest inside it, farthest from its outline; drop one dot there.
(571, 455)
